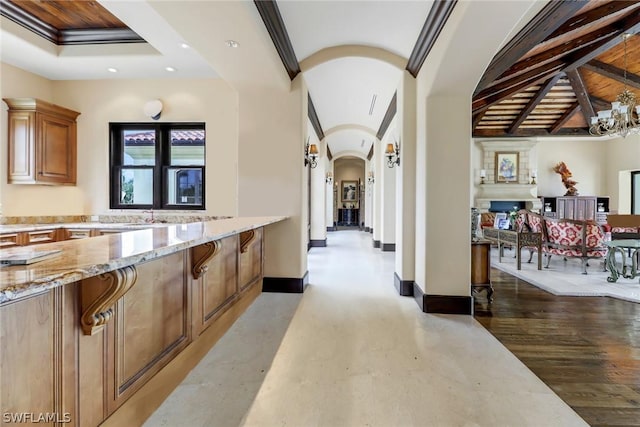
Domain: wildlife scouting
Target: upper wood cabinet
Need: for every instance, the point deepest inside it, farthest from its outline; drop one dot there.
(42, 142)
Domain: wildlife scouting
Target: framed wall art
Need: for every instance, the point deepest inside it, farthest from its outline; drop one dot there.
(349, 191)
(506, 167)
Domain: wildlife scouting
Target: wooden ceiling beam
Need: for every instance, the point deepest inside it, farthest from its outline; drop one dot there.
(313, 117)
(577, 44)
(612, 72)
(599, 103)
(565, 118)
(594, 15)
(548, 20)
(581, 94)
(497, 133)
(542, 92)
(388, 116)
(433, 25)
(270, 14)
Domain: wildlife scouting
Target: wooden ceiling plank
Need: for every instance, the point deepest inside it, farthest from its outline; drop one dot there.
(542, 92)
(493, 95)
(630, 24)
(582, 95)
(594, 15)
(565, 117)
(549, 19)
(613, 72)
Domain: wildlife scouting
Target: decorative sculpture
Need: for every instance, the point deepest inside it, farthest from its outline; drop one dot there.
(562, 169)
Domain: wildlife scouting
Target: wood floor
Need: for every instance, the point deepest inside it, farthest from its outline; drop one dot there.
(587, 349)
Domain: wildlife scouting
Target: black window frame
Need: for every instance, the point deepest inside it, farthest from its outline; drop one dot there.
(160, 199)
(634, 191)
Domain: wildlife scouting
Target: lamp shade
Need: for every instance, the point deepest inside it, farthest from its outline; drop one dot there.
(390, 149)
(313, 149)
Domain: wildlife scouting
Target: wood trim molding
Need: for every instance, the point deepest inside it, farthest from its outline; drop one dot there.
(287, 285)
(272, 19)
(332, 228)
(313, 117)
(329, 154)
(448, 304)
(404, 287)
(318, 243)
(370, 155)
(246, 237)
(433, 25)
(67, 37)
(388, 247)
(442, 304)
(388, 116)
(200, 256)
(376, 244)
(99, 298)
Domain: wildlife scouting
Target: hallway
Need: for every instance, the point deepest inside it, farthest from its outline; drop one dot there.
(351, 352)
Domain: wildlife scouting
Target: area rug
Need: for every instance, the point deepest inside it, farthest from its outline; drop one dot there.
(565, 277)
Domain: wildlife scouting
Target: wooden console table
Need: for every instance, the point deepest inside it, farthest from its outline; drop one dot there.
(517, 239)
(481, 268)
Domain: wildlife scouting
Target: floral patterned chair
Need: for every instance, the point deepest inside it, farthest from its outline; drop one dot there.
(573, 239)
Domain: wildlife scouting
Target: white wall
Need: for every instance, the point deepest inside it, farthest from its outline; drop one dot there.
(622, 157)
(210, 101)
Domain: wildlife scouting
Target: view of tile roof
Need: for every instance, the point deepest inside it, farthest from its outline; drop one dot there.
(178, 137)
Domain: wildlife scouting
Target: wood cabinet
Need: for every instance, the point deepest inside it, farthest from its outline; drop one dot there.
(42, 142)
(90, 360)
(576, 207)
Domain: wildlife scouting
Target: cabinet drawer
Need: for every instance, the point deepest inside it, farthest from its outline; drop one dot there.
(9, 240)
(42, 236)
(77, 233)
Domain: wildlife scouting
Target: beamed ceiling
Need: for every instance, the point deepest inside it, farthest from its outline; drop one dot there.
(564, 65)
(553, 76)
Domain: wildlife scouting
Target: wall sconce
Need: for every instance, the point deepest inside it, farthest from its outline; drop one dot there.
(329, 178)
(370, 178)
(534, 175)
(393, 155)
(311, 154)
(483, 175)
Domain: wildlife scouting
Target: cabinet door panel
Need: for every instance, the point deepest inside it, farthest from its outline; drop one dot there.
(151, 325)
(250, 263)
(56, 150)
(22, 161)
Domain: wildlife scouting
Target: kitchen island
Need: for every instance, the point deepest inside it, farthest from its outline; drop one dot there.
(104, 331)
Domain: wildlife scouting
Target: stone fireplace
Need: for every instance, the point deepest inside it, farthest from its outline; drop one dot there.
(520, 191)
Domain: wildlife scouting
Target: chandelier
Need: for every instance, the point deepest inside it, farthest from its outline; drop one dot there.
(624, 116)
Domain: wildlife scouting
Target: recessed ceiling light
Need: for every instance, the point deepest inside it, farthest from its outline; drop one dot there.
(170, 69)
(232, 43)
(184, 45)
(112, 70)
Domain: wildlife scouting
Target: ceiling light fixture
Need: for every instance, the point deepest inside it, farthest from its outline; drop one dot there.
(184, 46)
(231, 43)
(620, 120)
(112, 70)
(170, 69)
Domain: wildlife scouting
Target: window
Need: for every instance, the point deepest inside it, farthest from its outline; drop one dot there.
(157, 166)
(635, 192)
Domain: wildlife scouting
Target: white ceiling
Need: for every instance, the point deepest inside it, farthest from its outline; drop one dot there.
(341, 89)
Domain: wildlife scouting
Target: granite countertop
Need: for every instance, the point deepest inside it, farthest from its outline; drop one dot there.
(18, 228)
(92, 256)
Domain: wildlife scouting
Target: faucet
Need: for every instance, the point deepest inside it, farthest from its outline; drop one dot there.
(149, 220)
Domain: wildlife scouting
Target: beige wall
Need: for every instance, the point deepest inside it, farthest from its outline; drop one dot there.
(623, 156)
(102, 101)
(585, 159)
(347, 170)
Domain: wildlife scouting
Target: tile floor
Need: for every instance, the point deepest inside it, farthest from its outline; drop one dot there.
(351, 352)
